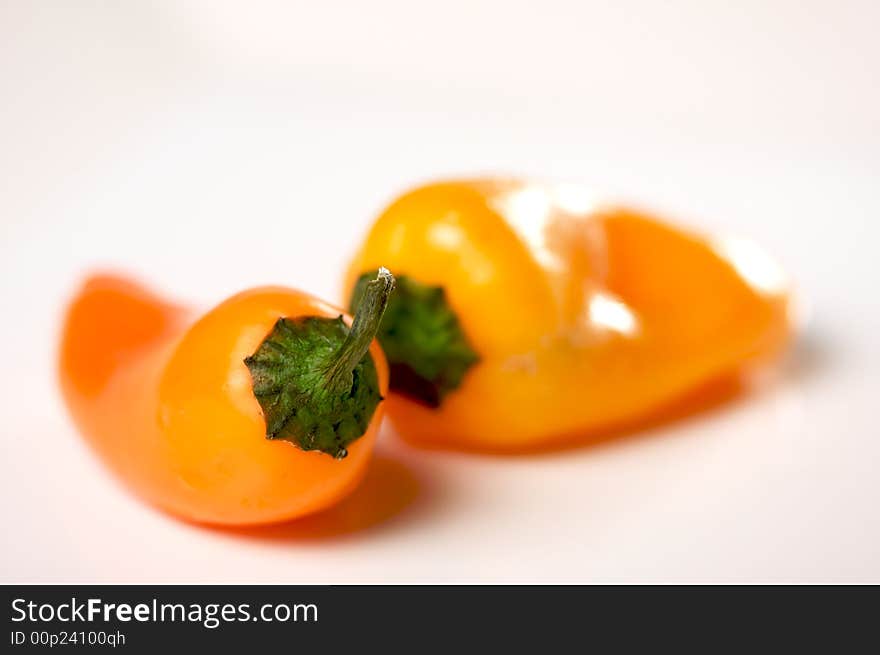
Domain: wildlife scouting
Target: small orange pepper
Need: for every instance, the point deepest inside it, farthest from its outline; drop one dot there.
(263, 409)
(526, 315)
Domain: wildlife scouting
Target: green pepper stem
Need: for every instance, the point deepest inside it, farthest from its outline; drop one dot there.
(367, 317)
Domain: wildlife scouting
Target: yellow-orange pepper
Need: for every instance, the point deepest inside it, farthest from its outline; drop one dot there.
(527, 315)
(261, 410)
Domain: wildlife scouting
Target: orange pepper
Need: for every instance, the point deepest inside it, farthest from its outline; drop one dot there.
(262, 410)
(526, 315)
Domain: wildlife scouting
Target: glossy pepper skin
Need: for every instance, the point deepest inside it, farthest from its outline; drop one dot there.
(167, 400)
(580, 317)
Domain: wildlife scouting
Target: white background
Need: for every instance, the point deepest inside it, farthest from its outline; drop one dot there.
(206, 147)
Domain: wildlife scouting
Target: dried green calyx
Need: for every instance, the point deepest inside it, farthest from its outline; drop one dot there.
(314, 377)
(427, 350)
